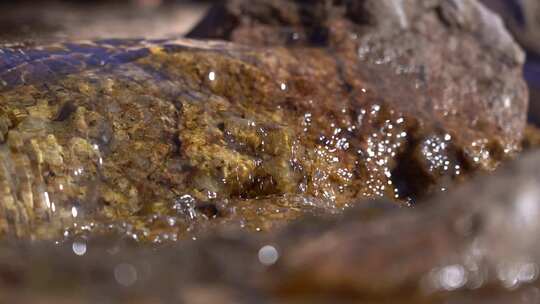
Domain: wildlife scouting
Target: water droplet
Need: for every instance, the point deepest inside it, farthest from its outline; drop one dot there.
(452, 277)
(507, 101)
(125, 274)
(212, 76)
(268, 255)
(47, 200)
(79, 247)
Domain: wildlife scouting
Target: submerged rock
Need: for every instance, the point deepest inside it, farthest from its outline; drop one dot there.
(159, 139)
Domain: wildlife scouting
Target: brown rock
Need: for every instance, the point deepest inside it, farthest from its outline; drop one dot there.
(475, 244)
(416, 56)
(158, 138)
(531, 138)
(483, 231)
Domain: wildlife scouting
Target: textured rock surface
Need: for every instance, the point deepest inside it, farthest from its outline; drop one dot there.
(411, 54)
(159, 138)
(476, 244)
(318, 108)
(522, 18)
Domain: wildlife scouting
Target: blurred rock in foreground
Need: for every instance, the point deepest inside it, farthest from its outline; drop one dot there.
(57, 20)
(475, 244)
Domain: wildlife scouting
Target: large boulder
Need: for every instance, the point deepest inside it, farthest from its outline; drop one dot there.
(328, 104)
(436, 60)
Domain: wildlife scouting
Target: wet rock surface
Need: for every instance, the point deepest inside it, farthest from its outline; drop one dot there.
(477, 245)
(156, 138)
(337, 116)
(411, 55)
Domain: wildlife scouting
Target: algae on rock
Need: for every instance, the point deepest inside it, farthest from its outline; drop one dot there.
(157, 139)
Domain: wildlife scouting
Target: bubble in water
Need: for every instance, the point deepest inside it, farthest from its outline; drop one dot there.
(452, 277)
(79, 247)
(449, 278)
(513, 274)
(125, 274)
(268, 255)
